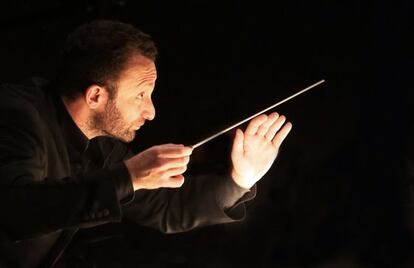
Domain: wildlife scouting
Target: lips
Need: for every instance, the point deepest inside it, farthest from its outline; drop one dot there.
(138, 126)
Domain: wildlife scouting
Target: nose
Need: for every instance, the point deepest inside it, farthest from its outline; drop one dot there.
(149, 111)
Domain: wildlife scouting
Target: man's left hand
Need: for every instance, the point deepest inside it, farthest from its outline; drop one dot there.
(255, 150)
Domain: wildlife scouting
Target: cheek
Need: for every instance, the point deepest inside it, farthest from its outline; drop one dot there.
(131, 112)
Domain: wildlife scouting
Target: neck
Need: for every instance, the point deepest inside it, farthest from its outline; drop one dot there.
(80, 115)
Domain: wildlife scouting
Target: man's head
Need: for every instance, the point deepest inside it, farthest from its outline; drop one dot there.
(108, 71)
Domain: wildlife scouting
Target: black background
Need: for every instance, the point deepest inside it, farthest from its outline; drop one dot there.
(336, 196)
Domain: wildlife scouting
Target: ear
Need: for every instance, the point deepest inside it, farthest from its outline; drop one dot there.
(96, 97)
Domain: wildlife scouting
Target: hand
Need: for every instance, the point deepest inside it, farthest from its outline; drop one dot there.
(159, 166)
(254, 151)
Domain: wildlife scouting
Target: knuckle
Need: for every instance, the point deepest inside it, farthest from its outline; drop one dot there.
(156, 150)
(154, 170)
(159, 161)
(182, 161)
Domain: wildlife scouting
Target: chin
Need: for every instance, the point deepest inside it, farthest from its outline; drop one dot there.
(126, 138)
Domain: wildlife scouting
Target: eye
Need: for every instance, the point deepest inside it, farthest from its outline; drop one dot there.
(140, 96)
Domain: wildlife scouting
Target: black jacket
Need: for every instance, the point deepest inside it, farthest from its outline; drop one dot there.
(53, 181)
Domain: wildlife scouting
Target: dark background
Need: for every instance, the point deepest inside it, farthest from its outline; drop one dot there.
(337, 194)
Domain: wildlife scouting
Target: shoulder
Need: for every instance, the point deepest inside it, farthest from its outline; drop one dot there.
(21, 106)
(23, 99)
(29, 90)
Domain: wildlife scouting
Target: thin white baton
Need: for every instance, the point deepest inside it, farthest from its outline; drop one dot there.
(247, 119)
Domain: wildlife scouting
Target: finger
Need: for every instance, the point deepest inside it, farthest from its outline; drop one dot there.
(282, 134)
(265, 126)
(174, 171)
(173, 151)
(255, 123)
(168, 145)
(175, 182)
(275, 127)
(238, 143)
(171, 145)
(168, 163)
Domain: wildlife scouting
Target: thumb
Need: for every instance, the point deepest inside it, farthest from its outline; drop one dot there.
(176, 181)
(238, 144)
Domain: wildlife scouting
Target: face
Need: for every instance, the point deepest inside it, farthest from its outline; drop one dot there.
(132, 105)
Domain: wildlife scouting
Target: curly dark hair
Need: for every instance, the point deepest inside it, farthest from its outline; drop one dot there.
(97, 52)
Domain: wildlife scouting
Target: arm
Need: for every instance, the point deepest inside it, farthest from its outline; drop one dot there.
(33, 202)
(201, 201)
(210, 200)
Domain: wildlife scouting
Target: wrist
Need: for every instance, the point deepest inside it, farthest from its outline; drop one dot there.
(241, 181)
(136, 183)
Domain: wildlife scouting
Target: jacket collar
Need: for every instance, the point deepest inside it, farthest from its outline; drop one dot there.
(72, 134)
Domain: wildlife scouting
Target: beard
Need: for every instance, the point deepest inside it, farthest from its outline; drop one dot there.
(110, 122)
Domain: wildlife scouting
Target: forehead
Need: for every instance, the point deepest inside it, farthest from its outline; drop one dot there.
(139, 69)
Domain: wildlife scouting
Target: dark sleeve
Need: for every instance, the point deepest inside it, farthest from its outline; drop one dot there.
(231, 197)
(201, 201)
(32, 203)
(123, 184)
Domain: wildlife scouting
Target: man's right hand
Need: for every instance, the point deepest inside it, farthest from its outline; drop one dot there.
(159, 166)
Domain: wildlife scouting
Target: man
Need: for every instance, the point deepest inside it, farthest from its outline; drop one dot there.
(64, 164)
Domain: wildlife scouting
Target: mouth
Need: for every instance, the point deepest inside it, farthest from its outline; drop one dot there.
(136, 127)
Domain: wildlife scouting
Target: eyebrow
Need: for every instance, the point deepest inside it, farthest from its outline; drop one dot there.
(138, 91)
